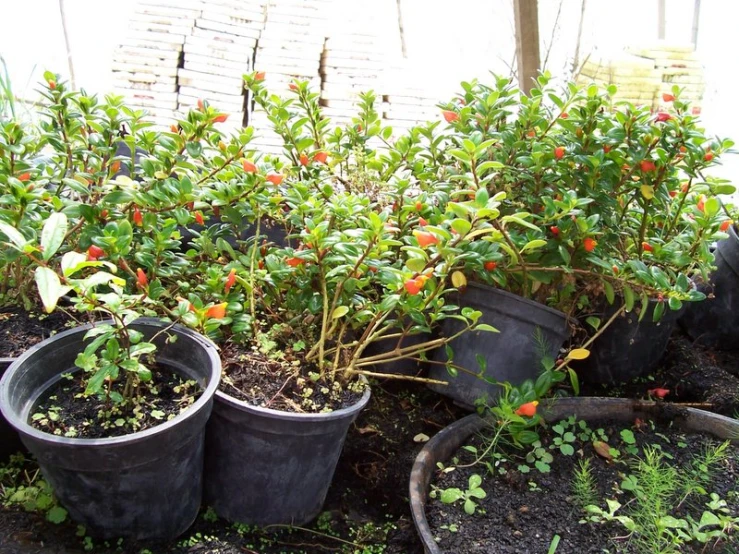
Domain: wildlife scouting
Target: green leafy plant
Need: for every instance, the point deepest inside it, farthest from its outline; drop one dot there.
(473, 491)
(583, 484)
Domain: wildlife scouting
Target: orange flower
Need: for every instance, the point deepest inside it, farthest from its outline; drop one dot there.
(666, 97)
(259, 76)
(422, 222)
(490, 265)
(138, 219)
(230, 280)
(559, 152)
(304, 159)
(701, 205)
(708, 156)
(217, 312)
(295, 261)
(425, 239)
(199, 218)
(647, 165)
(248, 166)
(606, 148)
(275, 178)
(726, 224)
(414, 286)
(320, 157)
(292, 86)
(24, 176)
(115, 167)
(141, 278)
(528, 409)
(201, 105)
(174, 128)
(450, 116)
(220, 118)
(647, 247)
(564, 115)
(52, 84)
(658, 392)
(589, 244)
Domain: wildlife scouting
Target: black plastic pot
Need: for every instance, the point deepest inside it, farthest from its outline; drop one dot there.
(145, 485)
(398, 367)
(714, 322)
(265, 466)
(512, 355)
(628, 348)
(10, 442)
(450, 439)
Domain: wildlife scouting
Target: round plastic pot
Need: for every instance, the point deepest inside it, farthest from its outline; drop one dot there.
(628, 348)
(403, 366)
(714, 322)
(146, 485)
(450, 439)
(10, 442)
(528, 331)
(265, 466)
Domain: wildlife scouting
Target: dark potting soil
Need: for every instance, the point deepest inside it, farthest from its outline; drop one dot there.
(63, 410)
(707, 378)
(367, 504)
(19, 329)
(524, 509)
(251, 377)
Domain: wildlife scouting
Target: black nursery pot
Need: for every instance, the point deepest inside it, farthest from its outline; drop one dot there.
(405, 366)
(512, 355)
(628, 348)
(714, 322)
(146, 485)
(10, 442)
(266, 467)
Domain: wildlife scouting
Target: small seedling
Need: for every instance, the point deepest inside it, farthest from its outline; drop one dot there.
(474, 490)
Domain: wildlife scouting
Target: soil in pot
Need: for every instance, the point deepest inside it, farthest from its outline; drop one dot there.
(20, 329)
(63, 411)
(579, 480)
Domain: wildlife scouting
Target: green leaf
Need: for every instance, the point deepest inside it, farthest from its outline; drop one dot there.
(53, 234)
(533, 244)
(608, 289)
(56, 515)
(574, 381)
(675, 303)
(195, 149)
(340, 311)
(486, 327)
(461, 226)
(451, 495)
(659, 309)
(628, 298)
(49, 287)
(13, 235)
(474, 481)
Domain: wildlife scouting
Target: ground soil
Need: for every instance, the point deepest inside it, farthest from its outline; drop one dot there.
(692, 373)
(20, 329)
(523, 511)
(367, 504)
(250, 376)
(63, 411)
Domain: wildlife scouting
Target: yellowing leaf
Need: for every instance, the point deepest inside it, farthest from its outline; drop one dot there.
(341, 311)
(602, 449)
(647, 191)
(578, 354)
(459, 280)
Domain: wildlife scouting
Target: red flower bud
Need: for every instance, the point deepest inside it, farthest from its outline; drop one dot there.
(615, 269)
(294, 261)
(647, 247)
(606, 148)
(275, 178)
(673, 193)
(217, 312)
(23, 177)
(708, 156)
(425, 239)
(259, 76)
(174, 129)
(220, 118)
(199, 218)
(559, 152)
(589, 244)
(564, 115)
(528, 409)
(248, 166)
(115, 167)
(647, 165)
(138, 219)
(662, 117)
(414, 286)
(726, 224)
(94, 252)
(103, 214)
(422, 222)
(658, 392)
(230, 280)
(304, 160)
(490, 265)
(701, 205)
(201, 105)
(52, 84)
(141, 278)
(450, 116)
(667, 97)
(419, 205)
(320, 157)
(292, 86)
(555, 230)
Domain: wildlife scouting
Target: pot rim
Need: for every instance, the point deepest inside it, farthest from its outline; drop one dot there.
(295, 416)
(201, 403)
(516, 297)
(693, 419)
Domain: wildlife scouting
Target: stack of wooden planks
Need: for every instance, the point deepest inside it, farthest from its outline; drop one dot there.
(145, 64)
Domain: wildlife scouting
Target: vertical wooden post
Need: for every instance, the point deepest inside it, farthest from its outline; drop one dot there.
(661, 17)
(526, 13)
